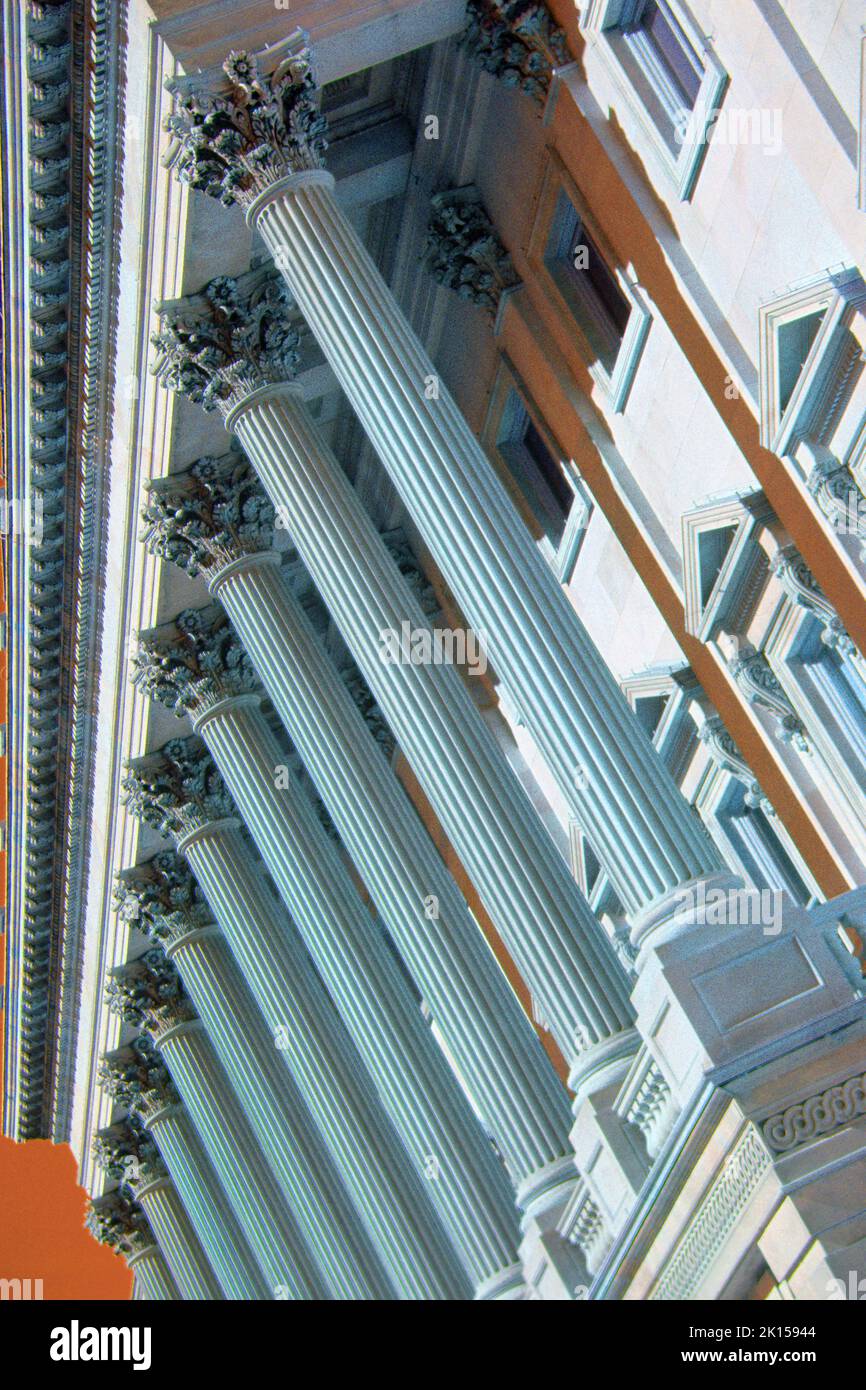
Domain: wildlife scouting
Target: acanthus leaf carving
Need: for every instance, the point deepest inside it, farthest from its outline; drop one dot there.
(213, 513)
(177, 790)
(218, 346)
(258, 127)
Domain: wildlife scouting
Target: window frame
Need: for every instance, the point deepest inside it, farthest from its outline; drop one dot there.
(615, 384)
(562, 558)
(603, 22)
(836, 293)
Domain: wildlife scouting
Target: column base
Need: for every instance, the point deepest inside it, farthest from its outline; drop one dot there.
(505, 1287)
(602, 1064)
(547, 1186)
(678, 911)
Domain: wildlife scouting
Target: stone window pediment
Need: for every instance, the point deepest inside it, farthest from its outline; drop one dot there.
(807, 357)
(721, 561)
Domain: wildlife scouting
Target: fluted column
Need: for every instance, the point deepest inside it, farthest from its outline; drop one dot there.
(163, 900)
(504, 1065)
(150, 1077)
(128, 1154)
(306, 1034)
(468, 1188)
(263, 152)
(521, 878)
(153, 1275)
(118, 1220)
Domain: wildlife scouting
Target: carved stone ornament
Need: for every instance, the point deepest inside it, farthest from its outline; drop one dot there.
(800, 585)
(218, 346)
(177, 790)
(726, 755)
(520, 43)
(464, 252)
(195, 661)
(147, 993)
(161, 898)
(213, 513)
(127, 1153)
(136, 1077)
(819, 1114)
(259, 124)
(760, 685)
(118, 1221)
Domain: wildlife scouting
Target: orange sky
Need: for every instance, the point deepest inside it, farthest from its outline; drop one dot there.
(42, 1233)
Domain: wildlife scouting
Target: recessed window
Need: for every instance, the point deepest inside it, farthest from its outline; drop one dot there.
(535, 469)
(673, 82)
(649, 710)
(544, 483)
(795, 341)
(669, 60)
(713, 547)
(586, 283)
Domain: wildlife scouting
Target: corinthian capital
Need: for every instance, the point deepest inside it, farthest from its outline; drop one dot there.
(192, 663)
(161, 898)
(148, 993)
(117, 1220)
(464, 252)
(235, 335)
(213, 513)
(127, 1153)
(177, 790)
(260, 123)
(137, 1078)
(519, 43)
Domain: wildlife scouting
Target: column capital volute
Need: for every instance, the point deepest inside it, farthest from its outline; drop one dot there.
(233, 337)
(178, 789)
(194, 663)
(210, 516)
(148, 993)
(136, 1077)
(258, 122)
(162, 899)
(127, 1153)
(117, 1219)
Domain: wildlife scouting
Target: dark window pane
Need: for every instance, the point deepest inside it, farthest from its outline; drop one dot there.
(672, 49)
(548, 467)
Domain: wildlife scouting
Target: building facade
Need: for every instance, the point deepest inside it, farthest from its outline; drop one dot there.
(436, 864)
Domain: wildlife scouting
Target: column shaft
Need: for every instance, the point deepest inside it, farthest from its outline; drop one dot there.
(496, 1050)
(522, 880)
(175, 1232)
(469, 1189)
(313, 1042)
(642, 829)
(153, 1276)
(207, 1206)
(261, 1207)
